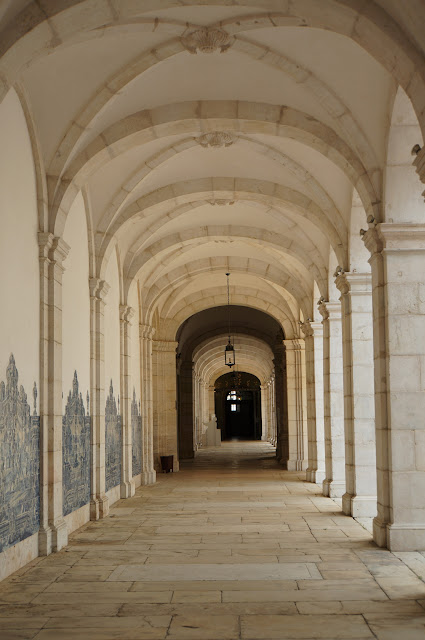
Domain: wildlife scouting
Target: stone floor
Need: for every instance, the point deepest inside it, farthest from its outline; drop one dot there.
(231, 547)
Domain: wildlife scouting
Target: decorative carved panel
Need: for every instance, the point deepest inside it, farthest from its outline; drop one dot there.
(76, 430)
(136, 428)
(19, 462)
(113, 441)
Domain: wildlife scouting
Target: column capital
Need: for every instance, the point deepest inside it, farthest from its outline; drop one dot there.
(98, 288)
(53, 248)
(165, 345)
(307, 328)
(329, 310)
(146, 331)
(386, 237)
(353, 282)
(126, 313)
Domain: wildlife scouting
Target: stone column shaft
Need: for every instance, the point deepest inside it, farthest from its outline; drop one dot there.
(334, 483)
(359, 400)
(165, 400)
(148, 472)
(398, 290)
(127, 487)
(99, 503)
(297, 423)
(263, 389)
(53, 534)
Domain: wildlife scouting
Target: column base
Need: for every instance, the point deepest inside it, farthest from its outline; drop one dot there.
(333, 488)
(296, 465)
(315, 475)
(148, 477)
(406, 537)
(59, 535)
(379, 532)
(127, 489)
(45, 541)
(359, 506)
(99, 507)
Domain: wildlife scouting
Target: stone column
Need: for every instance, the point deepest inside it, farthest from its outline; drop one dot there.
(99, 502)
(359, 397)
(165, 400)
(398, 290)
(186, 434)
(334, 483)
(148, 472)
(53, 534)
(264, 430)
(313, 332)
(282, 443)
(297, 423)
(272, 400)
(127, 487)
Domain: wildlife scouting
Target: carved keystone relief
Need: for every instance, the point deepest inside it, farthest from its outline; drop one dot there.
(113, 441)
(207, 40)
(136, 428)
(76, 433)
(19, 462)
(216, 139)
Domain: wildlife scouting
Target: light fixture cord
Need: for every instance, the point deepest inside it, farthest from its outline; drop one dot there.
(228, 302)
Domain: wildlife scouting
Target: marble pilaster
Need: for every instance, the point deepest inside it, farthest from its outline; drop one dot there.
(296, 402)
(398, 290)
(165, 401)
(334, 483)
(359, 408)
(146, 333)
(99, 503)
(53, 534)
(127, 486)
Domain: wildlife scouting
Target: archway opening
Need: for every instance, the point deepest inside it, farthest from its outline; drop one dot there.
(238, 406)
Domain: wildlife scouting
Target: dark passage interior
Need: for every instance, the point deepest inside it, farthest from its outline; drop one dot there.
(238, 406)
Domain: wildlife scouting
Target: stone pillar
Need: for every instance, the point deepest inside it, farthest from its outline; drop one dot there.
(359, 397)
(313, 332)
(53, 534)
(186, 422)
(264, 429)
(334, 483)
(127, 487)
(279, 362)
(165, 401)
(99, 502)
(297, 423)
(398, 290)
(272, 400)
(148, 472)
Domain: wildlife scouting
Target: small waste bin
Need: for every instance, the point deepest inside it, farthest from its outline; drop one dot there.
(167, 463)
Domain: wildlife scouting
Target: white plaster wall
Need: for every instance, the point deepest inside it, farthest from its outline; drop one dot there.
(112, 327)
(133, 301)
(76, 303)
(19, 269)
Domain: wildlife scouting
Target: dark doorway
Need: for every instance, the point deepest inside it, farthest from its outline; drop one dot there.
(238, 406)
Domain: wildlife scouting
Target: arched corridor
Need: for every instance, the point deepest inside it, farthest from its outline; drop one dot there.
(212, 263)
(230, 547)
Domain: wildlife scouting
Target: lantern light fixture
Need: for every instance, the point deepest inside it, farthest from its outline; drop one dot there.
(229, 351)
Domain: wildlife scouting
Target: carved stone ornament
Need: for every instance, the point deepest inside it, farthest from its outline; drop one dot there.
(19, 463)
(221, 202)
(207, 40)
(217, 139)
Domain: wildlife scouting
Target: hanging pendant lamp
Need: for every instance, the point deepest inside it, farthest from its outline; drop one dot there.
(229, 351)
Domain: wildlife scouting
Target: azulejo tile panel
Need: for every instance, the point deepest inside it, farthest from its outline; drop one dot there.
(136, 428)
(19, 462)
(113, 441)
(76, 429)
